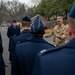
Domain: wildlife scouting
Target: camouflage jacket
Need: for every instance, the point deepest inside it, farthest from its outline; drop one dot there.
(61, 32)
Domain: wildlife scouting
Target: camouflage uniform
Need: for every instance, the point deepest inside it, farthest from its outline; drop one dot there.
(61, 32)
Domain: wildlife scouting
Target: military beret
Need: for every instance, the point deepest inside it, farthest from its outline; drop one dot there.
(72, 11)
(38, 26)
(14, 21)
(26, 19)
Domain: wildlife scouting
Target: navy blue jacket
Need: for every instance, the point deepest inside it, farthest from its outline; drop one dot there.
(12, 32)
(2, 67)
(25, 54)
(1, 47)
(59, 61)
(24, 35)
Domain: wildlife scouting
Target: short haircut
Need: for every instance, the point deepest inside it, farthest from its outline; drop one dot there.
(71, 22)
(26, 24)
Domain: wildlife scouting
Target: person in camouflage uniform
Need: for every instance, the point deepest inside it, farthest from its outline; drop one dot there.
(59, 32)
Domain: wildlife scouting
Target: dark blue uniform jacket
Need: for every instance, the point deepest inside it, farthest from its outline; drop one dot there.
(24, 35)
(59, 61)
(1, 47)
(2, 67)
(25, 55)
(12, 32)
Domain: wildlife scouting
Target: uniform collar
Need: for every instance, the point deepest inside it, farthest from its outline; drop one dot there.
(60, 26)
(36, 39)
(71, 43)
(26, 31)
(14, 26)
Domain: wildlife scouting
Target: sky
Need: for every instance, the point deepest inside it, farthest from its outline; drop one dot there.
(28, 2)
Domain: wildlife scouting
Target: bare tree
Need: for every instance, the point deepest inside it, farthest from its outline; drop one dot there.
(11, 10)
(36, 2)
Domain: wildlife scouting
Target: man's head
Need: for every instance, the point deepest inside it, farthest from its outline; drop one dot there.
(71, 22)
(14, 22)
(37, 27)
(59, 20)
(26, 22)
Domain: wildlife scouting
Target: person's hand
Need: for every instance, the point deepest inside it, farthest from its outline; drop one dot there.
(58, 36)
(67, 41)
(45, 35)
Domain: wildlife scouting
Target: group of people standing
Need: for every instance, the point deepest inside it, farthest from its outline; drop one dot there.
(30, 54)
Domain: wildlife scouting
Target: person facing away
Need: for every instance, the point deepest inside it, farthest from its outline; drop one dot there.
(25, 53)
(12, 31)
(59, 33)
(2, 64)
(24, 35)
(59, 61)
(1, 47)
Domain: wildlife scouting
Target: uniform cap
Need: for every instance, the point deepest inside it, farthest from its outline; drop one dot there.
(72, 11)
(14, 21)
(59, 18)
(38, 26)
(26, 19)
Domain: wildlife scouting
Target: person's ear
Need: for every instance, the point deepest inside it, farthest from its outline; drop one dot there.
(62, 21)
(68, 28)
